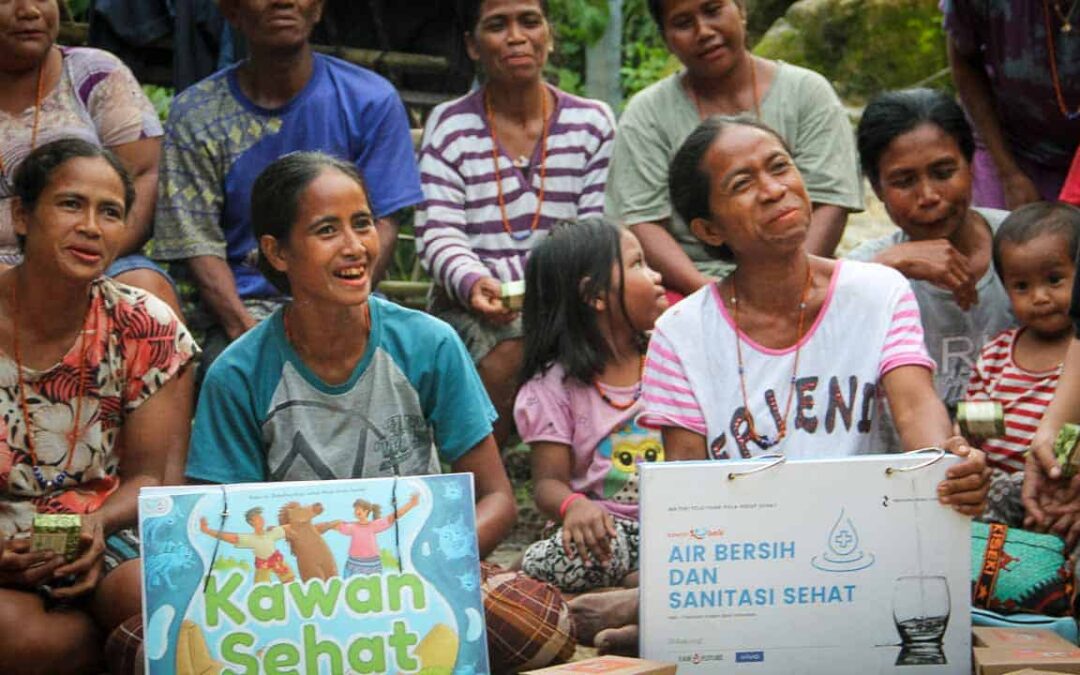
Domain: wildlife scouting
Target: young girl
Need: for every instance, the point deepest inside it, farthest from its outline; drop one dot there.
(590, 300)
(364, 555)
(1034, 253)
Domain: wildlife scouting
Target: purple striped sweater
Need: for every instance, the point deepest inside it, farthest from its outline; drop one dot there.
(459, 229)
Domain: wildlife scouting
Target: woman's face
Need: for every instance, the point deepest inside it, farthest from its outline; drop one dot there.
(511, 40)
(758, 201)
(28, 28)
(75, 227)
(333, 244)
(707, 36)
(925, 182)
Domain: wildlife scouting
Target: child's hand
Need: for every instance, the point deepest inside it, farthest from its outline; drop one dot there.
(588, 528)
(485, 299)
(204, 526)
(966, 484)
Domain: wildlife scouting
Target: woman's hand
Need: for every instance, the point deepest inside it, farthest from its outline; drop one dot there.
(936, 261)
(22, 568)
(588, 528)
(485, 299)
(966, 484)
(87, 569)
(1018, 189)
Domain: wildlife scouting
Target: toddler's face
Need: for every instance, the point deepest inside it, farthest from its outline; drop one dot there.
(1038, 276)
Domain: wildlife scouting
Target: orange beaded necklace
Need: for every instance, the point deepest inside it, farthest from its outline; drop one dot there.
(622, 405)
(519, 236)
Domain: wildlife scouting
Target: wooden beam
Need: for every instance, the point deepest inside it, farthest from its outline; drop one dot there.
(377, 59)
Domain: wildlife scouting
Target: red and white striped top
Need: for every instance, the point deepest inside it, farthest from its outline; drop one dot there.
(1022, 394)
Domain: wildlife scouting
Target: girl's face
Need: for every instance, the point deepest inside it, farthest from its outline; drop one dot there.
(707, 36)
(1038, 276)
(28, 28)
(643, 296)
(511, 40)
(360, 512)
(333, 244)
(925, 183)
(75, 227)
(758, 201)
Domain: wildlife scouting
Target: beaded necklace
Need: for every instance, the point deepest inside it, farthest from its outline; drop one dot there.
(518, 236)
(37, 111)
(49, 484)
(765, 441)
(1051, 48)
(1066, 17)
(622, 405)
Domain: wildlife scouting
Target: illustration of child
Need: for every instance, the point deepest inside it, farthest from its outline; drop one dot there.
(364, 548)
(591, 299)
(261, 541)
(1034, 253)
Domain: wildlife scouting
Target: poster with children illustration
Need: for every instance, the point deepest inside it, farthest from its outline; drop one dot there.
(352, 576)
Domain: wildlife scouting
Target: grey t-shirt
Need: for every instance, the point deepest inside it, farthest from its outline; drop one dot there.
(953, 336)
(799, 104)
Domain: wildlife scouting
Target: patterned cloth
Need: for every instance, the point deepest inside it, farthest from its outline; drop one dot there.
(124, 648)
(459, 230)
(546, 560)
(136, 345)
(1009, 38)
(528, 622)
(1023, 395)
(97, 100)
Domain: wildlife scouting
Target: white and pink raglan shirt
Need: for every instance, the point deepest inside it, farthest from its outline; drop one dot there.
(868, 326)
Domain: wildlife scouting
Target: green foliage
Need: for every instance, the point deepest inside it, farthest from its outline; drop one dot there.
(77, 9)
(161, 98)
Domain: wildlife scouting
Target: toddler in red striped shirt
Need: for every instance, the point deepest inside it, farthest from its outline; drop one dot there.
(1034, 253)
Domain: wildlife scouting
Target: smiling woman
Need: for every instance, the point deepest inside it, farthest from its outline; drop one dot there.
(91, 366)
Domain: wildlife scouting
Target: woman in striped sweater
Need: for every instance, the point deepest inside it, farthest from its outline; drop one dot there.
(499, 167)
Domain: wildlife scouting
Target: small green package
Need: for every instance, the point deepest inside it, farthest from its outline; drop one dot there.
(57, 532)
(1065, 448)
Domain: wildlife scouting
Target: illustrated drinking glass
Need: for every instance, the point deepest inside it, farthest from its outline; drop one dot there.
(921, 612)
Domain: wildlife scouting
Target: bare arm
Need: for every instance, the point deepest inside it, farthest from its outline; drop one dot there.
(826, 228)
(229, 537)
(496, 510)
(975, 91)
(1042, 472)
(217, 288)
(682, 444)
(141, 160)
(551, 464)
(922, 421)
(667, 257)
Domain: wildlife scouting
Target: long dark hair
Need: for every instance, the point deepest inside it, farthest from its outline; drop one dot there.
(566, 272)
(275, 198)
(894, 113)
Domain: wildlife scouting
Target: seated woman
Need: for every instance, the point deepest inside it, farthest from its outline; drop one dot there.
(94, 408)
(722, 77)
(49, 92)
(339, 383)
(499, 167)
(760, 361)
(916, 147)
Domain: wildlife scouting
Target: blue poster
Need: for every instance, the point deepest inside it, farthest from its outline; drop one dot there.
(353, 576)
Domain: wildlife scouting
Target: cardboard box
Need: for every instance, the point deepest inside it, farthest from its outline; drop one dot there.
(1002, 661)
(1032, 671)
(1019, 638)
(612, 665)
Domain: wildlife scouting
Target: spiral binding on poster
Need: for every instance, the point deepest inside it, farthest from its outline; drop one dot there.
(217, 540)
(769, 461)
(939, 454)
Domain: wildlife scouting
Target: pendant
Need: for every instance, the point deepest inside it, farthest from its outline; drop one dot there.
(1066, 27)
(1073, 116)
(521, 235)
(49, 484)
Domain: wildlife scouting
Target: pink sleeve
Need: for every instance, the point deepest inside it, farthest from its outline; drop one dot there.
(668, 398)
(344, 528)
(904, 343)
(381, 525)
(542, 410)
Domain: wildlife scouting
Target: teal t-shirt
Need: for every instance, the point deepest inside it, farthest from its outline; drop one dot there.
(413, 400)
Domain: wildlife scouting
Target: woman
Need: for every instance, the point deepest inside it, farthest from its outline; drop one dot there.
(499, 167)
(722, 77)
(49, 92)
(93, 408)
(339, 383)
(916, 148)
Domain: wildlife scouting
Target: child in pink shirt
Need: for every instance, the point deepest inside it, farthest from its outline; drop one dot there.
(364, 548)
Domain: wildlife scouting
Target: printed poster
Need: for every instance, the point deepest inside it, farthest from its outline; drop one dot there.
(814, 566)
(351, 576)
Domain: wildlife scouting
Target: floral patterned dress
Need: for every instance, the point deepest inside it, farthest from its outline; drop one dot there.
(135, 345)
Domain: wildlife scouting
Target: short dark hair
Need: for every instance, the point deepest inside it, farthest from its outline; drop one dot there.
(469, 11)
(565, 273)
(251, 513)
(656, 10)
(275, 198)
(35, 172)
(1034, 220)
(689, 181)
(895, 113)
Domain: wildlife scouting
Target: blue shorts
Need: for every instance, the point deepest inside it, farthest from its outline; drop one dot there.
(136, 261)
